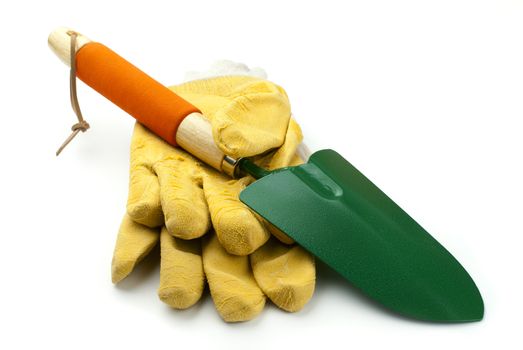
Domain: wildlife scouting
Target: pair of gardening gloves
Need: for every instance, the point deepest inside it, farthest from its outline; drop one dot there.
(205, 233)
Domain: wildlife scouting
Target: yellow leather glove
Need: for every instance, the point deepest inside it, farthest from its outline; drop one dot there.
(169, 187)
(165, 188)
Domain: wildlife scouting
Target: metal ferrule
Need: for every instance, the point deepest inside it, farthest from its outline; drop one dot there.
(230, 166)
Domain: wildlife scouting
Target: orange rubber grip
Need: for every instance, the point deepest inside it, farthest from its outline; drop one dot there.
(151, 103)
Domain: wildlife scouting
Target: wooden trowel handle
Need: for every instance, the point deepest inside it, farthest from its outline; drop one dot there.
(162, 111)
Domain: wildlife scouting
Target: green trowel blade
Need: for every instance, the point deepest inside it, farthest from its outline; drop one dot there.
(336, 213)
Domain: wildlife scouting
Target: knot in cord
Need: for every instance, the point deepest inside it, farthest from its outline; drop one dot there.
(82, 126)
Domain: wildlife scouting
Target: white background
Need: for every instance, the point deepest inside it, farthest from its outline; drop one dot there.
(424, 97)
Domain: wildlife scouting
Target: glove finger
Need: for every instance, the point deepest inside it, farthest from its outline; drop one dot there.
(286, 154)
(133, 243)
(238, 229)
(254, 122)
(143, 202)
(286, 274)
(183, 202)
(236, 295)
(181, 271)
(276, 232)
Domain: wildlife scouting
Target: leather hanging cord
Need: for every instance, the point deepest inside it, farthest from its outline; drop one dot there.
(82, 125)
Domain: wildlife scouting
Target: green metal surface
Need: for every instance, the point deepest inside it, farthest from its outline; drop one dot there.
(336, 213)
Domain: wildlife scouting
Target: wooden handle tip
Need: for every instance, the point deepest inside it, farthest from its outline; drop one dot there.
(59, 42)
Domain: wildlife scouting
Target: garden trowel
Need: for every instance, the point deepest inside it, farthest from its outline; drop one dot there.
(326, 205)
